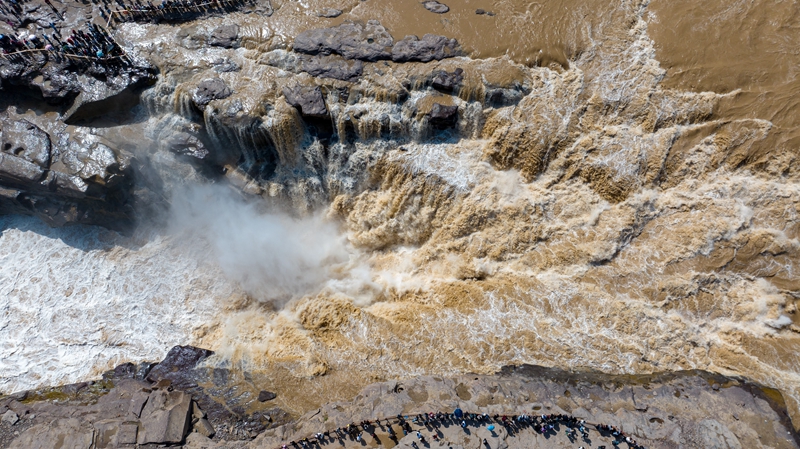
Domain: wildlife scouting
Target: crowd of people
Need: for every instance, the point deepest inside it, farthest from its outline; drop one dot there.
(541, 424)
(147, 11)
(92, 43)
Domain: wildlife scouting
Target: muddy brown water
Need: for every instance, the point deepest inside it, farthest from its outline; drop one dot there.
(617, 266)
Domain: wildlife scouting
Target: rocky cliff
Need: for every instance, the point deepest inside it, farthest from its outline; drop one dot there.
(179, 401)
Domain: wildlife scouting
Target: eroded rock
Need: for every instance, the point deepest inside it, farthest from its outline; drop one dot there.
(443, 116)
(329, 13)
(23, 139)
(210, 90)
(10, 418)
(18, 171)
(308, 99)
(60, 433)
(165, 418)
(178, 362)
(332, 67)
(435, 7)
(447, 81)
(430, 47)
(264, 396)
(370, 42)
(226, 36)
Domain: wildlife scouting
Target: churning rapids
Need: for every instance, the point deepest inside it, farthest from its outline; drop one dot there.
(618, 190)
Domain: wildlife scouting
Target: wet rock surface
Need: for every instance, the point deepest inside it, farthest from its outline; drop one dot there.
(436, 7)
(226, 36)
(367, 42)
(330, 13)
(447, 81)
(430, 47)
(210, 90)
(443, 116)
(61, 180)
(332, 67)
(308, 100)
(372, 42)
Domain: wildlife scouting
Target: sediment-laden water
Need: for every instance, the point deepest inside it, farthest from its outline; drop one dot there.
(633, 210)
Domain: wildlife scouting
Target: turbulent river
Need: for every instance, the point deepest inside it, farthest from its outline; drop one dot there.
(636, 211)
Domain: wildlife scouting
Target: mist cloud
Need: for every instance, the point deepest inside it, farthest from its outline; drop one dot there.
(272, 256)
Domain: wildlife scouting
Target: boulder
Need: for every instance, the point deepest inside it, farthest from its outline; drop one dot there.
(23, 139)
(10, 418)
(226, 36)
(329, 13)
(430, 47)
(442, 116)
(165, 418)
(264, 396)
(186, 144)
(435, 7)
(209, 90)
(332, 67)
(370, 42)
(179, 360)
(308, 99)
(447, 81)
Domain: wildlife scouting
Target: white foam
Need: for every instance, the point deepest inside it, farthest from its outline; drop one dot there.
(77, 300)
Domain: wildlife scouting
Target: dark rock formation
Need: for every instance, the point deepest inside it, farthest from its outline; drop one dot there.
(209, 90)
(447, 81)
(370, 42)
(430, 47)
(442, 116)
(308, 99)
(63, 182)
(186, 144)
(179, 360)
(436, 7)
(226, 36)
(332, 67)
(264, 396)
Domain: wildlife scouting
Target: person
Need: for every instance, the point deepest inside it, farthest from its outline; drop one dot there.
(463, 424)
(491, 427)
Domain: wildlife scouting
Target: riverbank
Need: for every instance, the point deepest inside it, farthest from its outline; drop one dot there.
(179, 401)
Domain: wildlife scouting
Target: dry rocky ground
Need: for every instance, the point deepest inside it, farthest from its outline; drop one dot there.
(178, 402)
